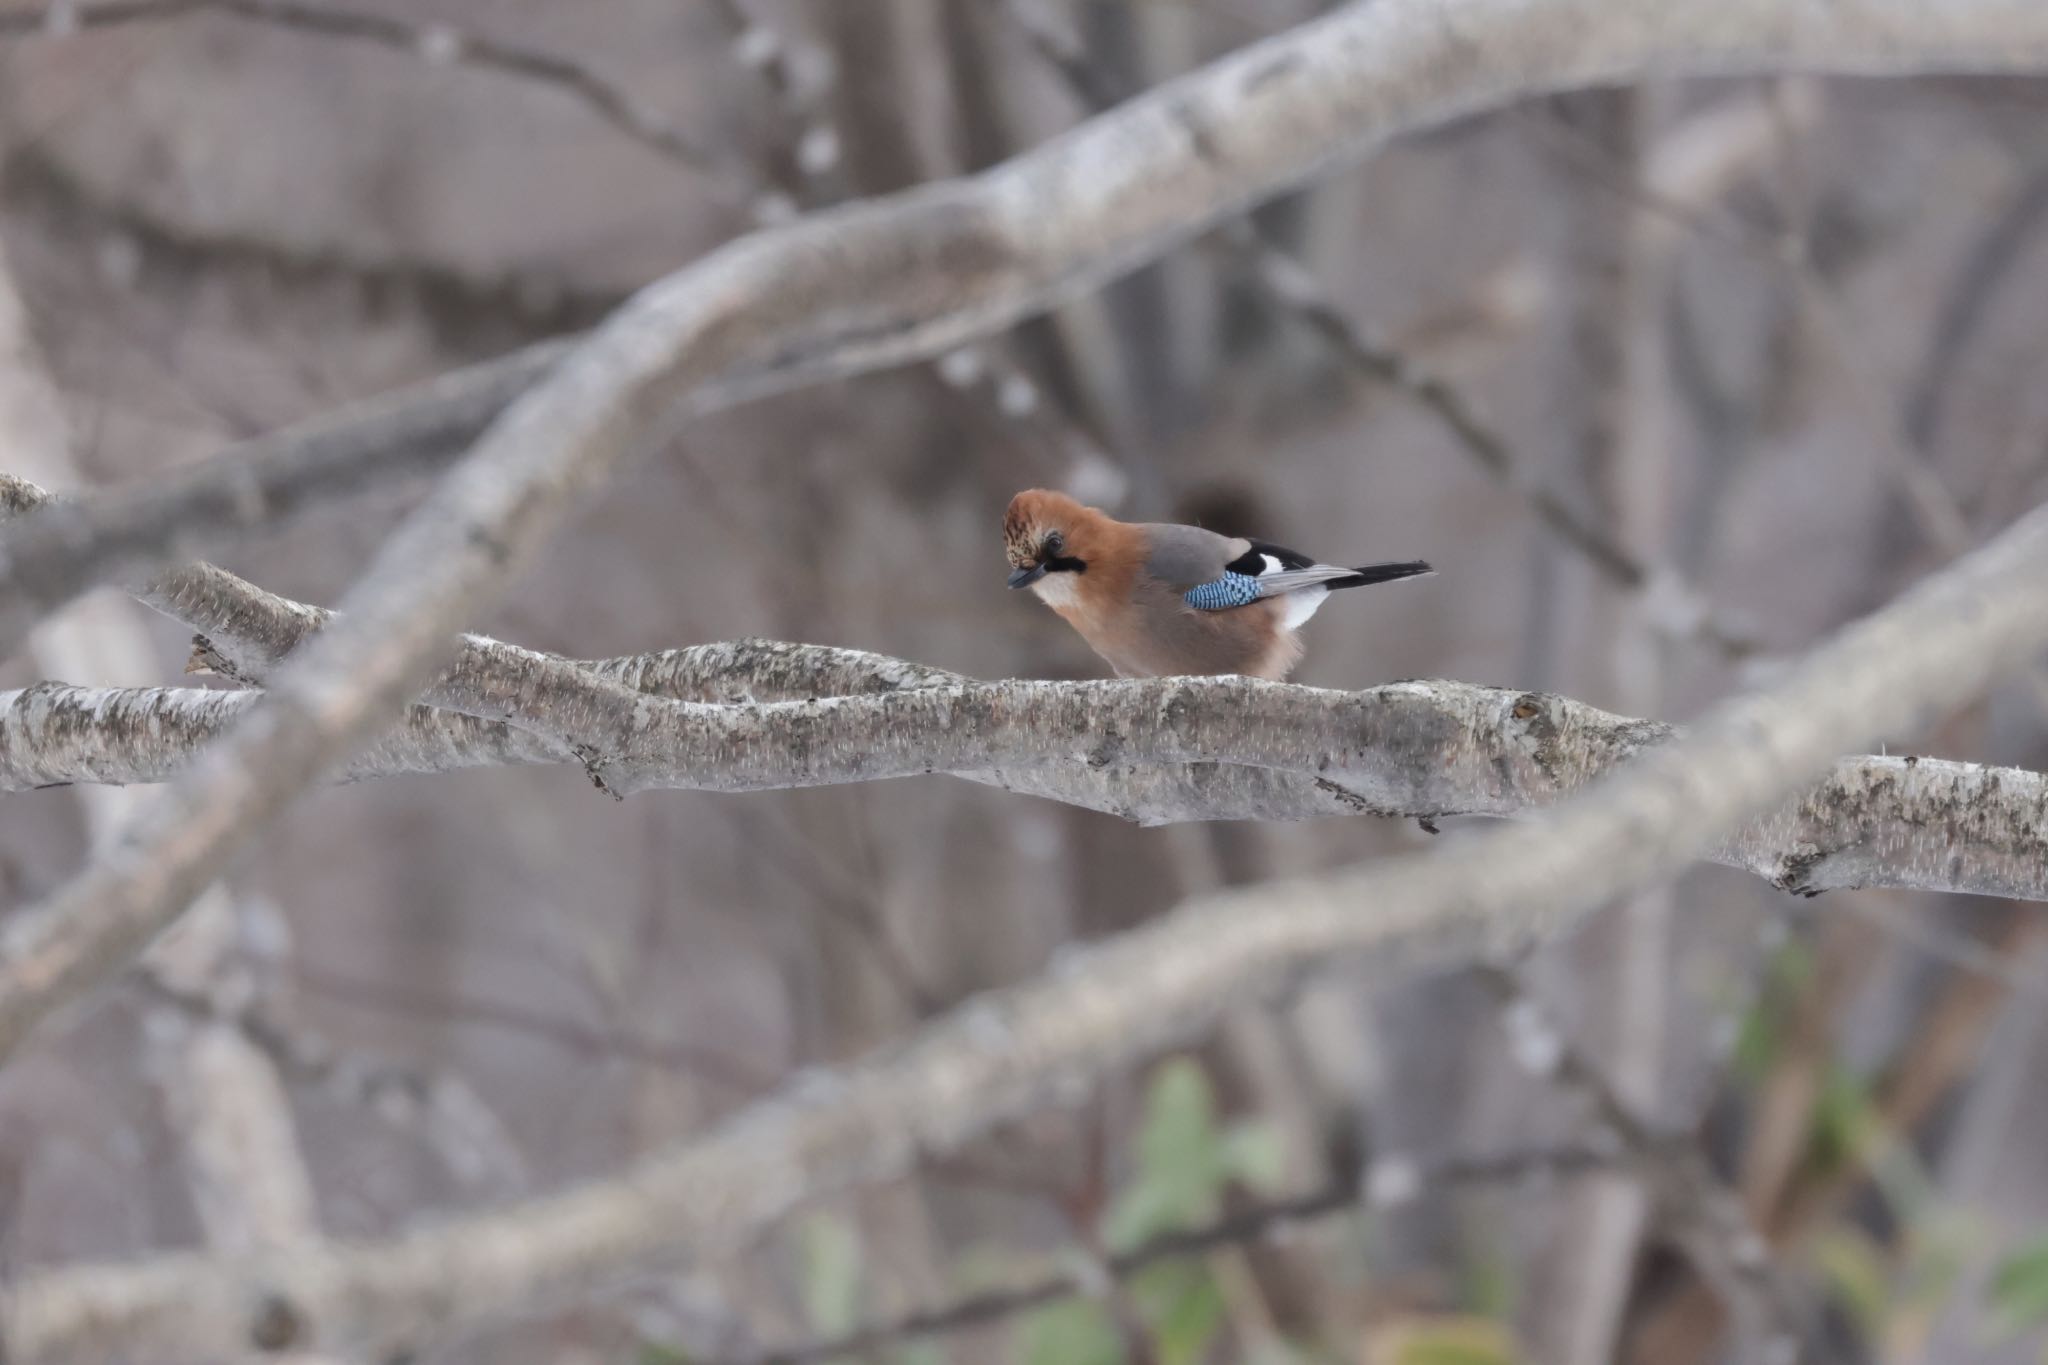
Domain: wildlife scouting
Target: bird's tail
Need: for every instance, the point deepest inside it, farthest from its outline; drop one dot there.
(1382, 573)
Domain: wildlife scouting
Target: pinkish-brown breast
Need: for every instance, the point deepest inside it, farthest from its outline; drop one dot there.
(1153, 633)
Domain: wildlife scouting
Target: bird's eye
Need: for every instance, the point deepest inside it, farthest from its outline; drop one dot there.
(1052, 547)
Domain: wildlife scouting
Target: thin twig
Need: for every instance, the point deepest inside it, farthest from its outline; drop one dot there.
(808, 168)
(1708, 1216)
(1964, 954)
(437, 44)
(1289, 286)
(583, 1040)
(57, 548)
(1266, 1218)
(457, 1124)
(1934, 507)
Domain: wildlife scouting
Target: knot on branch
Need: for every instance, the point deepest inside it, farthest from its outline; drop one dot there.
(1361, 804)
(594, 763)
(276, 1324)
(207, 657)
(1794, 872)
(1533, 725)
(1106, 750)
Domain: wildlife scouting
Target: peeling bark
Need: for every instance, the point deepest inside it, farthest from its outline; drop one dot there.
(1156, 751)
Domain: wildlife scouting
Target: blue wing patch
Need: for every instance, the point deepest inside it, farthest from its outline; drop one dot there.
(1220, 594)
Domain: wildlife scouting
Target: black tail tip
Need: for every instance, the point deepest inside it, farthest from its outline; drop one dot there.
(1389, 573)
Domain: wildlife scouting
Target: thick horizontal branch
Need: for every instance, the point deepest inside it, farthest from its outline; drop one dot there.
(599, 711)
(54, 734)
(1877, 822)
(1157, 752)
(1007, 1053)
(894, 280)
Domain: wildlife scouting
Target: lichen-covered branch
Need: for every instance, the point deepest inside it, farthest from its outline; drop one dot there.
(1877, 822)
(247, 1173)
(1157, 752)
(1008, 1052)
(56, 734)
(904, 278)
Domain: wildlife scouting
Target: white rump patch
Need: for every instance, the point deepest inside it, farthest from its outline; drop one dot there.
(1297, 606)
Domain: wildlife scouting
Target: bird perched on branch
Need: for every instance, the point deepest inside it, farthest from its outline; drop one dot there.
(1157, 600)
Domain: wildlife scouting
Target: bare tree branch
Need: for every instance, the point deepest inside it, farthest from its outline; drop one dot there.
(1263, 1219)
(1290, 285)
(1470, 751)
(1894, 822)
(465, 310)
(470, 1139)
(55, 548)
(438, 44)
(1706, 1216)
(246, 1171)
(1421, 83)
(898, 279)
(251, 488)
(1008, 1052)
(54, 734)
(1925, 494)
(1154, 752)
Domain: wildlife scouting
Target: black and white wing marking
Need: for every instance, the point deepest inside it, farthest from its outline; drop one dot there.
(1278, 570)
(1264, 570)
(1268, 570)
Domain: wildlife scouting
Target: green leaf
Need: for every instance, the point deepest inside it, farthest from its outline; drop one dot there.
(1786, 978)
(1072, 1332)
(1255, 1156)
(1845, 1122)
(1181, 1172)
(1442, 1341)
(830, 1275)
(1756, 1043)
(2019, 1287)
(1938, 1246)
(1279, 1351)
(658, 1353)
(1182, 1306)
(1488, 1290)
(1854, 1268)
(1178, 1141)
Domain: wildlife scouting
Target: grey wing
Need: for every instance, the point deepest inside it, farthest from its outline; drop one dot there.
(1293, 580)
(1183, 556)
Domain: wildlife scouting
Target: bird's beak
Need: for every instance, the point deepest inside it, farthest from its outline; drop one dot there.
(1024, 578)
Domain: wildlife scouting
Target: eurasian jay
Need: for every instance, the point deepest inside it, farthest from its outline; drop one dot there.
(1156, 600)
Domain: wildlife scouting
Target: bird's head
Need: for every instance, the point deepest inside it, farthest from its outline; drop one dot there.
(1047, 532)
